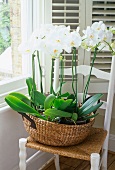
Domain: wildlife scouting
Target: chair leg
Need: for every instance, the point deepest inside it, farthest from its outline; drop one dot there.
(104, 160)
(57, 162)
(22, 154)
(95, 160)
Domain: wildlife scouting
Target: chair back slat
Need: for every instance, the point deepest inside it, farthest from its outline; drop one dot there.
(85, 70)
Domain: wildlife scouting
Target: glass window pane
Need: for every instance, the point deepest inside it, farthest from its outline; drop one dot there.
(10, 38)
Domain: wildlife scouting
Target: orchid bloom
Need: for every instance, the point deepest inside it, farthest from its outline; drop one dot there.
(26, 48)
(73, 39)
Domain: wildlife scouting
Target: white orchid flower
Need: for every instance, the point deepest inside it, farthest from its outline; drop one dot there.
(54, 51)
(26, 48)
(107, 36)
(90, 37)
(98, 26)
(72, 40)
(45, 30)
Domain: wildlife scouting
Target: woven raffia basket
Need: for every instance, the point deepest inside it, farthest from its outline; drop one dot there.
(55, 134)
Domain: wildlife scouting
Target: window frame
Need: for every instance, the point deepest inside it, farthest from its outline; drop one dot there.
(18, 83)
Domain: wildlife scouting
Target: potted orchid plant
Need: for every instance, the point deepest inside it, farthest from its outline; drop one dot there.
(57, 106)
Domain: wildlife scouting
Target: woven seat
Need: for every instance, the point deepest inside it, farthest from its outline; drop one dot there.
(92, 144)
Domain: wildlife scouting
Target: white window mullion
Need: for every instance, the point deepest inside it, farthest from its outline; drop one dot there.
(47, 58)
(81, 52)
(26, 30)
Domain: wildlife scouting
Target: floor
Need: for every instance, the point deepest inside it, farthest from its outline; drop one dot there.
(75, 164)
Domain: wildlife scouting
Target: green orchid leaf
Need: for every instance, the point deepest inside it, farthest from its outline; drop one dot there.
(63, 95)
(19, 106)
(74, 117)
(71, 96)
(31, 85)
(38, 98)
(89, 117)
(90, 102)
(53, 113)
(91, 109)
(49, 101)
(62, 104)
(21, 97)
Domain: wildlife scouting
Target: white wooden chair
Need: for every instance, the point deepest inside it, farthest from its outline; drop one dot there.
(97, 160)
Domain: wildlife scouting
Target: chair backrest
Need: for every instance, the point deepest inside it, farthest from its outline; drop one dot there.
(84, 70)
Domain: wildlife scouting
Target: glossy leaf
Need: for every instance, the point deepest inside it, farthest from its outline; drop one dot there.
(89, 117)
(71, 96)
(53, 113)
(49, 101)
(21, 97)
(91, 109)
(39, 98)
(75, 116)
(31, 85)
(19, 106)
(90, 102)
(64, 95)
(62, 104)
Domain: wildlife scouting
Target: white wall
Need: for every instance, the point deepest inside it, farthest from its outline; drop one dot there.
(11, 129)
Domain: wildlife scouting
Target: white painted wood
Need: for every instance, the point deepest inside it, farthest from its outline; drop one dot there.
(33, 157)
(47, 17)
(95, 159)
(56, 74)
(22, 153)
(57, 162)
(85, 70)
(108, 112)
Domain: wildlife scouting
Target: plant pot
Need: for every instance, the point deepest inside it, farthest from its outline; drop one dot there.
(55, 134)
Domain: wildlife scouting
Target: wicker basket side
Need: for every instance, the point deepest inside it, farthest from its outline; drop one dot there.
(55, 134)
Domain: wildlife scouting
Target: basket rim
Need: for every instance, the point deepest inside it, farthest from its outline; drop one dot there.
(58, 124)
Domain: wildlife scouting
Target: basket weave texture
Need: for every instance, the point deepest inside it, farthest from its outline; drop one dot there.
(55, 134)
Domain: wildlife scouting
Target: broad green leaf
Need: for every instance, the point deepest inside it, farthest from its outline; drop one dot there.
(53, 113)
(31, 85)
(89, 117)
(38, 97)
(21, 97)
(62, 104)
(74, 116)
(91, 109)
(49, 101)
(90, 102)
(64, 95)
(19, 106)
(71, 96)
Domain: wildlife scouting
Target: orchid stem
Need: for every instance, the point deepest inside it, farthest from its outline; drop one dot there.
(51, 82)
(88, 81)
(75, 64)
(33, 67)
(61, 74)
(73, 73)
(40, 70)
